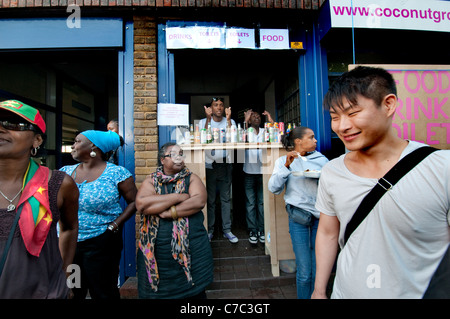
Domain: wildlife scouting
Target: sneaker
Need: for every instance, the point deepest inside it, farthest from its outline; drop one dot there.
(210, 236)
(261, 237)
(252, 238)
(233, 239)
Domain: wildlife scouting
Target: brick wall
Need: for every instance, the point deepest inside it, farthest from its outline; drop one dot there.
(145, 101)
(145, 97)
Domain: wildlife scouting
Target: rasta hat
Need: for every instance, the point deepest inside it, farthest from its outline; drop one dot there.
(25, 111)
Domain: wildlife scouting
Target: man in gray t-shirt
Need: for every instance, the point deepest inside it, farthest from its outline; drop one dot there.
(218, 170)
(396, 249)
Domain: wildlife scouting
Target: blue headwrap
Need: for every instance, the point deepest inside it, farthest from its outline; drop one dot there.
(106, 141)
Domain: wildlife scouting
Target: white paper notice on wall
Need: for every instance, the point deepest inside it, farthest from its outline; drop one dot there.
(173, 114)
(239, 38)
(275, 39)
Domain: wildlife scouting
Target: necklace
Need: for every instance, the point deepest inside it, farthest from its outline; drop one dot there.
(11, 206)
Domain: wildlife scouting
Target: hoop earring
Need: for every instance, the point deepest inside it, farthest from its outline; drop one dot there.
(34, 151)
(92, 154)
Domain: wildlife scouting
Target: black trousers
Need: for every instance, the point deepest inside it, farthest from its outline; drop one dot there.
(99, 260)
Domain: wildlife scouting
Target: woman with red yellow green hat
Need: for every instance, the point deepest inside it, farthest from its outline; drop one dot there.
(33, 199)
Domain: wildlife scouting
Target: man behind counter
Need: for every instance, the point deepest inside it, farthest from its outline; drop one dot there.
(218, 169)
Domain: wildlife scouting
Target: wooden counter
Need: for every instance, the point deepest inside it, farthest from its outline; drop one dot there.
(276, 226)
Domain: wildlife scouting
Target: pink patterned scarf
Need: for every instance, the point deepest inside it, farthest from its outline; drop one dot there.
(180, 232)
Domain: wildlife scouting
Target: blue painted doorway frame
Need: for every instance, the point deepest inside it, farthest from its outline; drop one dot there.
(313, 82)
(126, 130)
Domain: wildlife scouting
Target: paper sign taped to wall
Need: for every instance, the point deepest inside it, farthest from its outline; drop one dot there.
(173, 114)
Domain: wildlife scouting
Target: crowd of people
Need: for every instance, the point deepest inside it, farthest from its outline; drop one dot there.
(50, 219)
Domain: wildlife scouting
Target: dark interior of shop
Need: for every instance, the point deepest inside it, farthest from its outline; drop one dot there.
(248, 79)
(75, 90)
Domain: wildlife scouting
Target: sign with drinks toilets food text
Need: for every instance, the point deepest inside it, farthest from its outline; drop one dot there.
(195, 38)
(423, 110)
(225, 38)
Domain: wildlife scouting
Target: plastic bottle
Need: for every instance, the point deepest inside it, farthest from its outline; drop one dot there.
(233, 132)
(245, 133)
(251, 135)
(240, 133)
(271, 134)
(216, 135)
(209, 134)
(289, 128)
(275, 132)
(187, 137)
(203, 136)
(196, 135)
(266, 132)
(228, 135)
(192, 133)
(222, 137)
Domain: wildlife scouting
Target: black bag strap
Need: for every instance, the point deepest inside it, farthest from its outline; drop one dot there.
(384, 184)
(10, 238)
(438, 288)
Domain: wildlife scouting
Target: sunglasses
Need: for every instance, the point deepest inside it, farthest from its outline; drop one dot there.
(175, 155)
(13, 126)
(215, 99)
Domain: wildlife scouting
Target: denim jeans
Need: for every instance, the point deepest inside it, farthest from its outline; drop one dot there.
(303, 242)
(254, 202)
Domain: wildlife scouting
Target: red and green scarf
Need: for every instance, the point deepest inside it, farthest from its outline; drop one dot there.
(36, 217)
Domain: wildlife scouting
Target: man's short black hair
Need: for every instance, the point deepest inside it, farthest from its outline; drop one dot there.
(372, 83)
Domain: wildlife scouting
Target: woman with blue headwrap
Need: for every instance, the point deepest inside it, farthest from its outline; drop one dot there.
(101, 184)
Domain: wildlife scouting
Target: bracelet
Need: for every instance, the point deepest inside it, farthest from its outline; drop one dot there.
(173, 212)
(112, 228)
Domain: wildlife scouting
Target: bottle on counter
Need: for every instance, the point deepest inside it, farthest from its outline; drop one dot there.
(228, 135)
(187, 136)
(280, 131)
(267, 132)
(216, 135)
(275, 133)
(222, 135)
(288, 129)
(233, 138)
(239, 133)
(271, 134)
(203, 139)
(209, 134)
(251, 135)
(196, 135)
(191, 133)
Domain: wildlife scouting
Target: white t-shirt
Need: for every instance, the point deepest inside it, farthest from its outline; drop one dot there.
(396, 249)
(254, 157)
